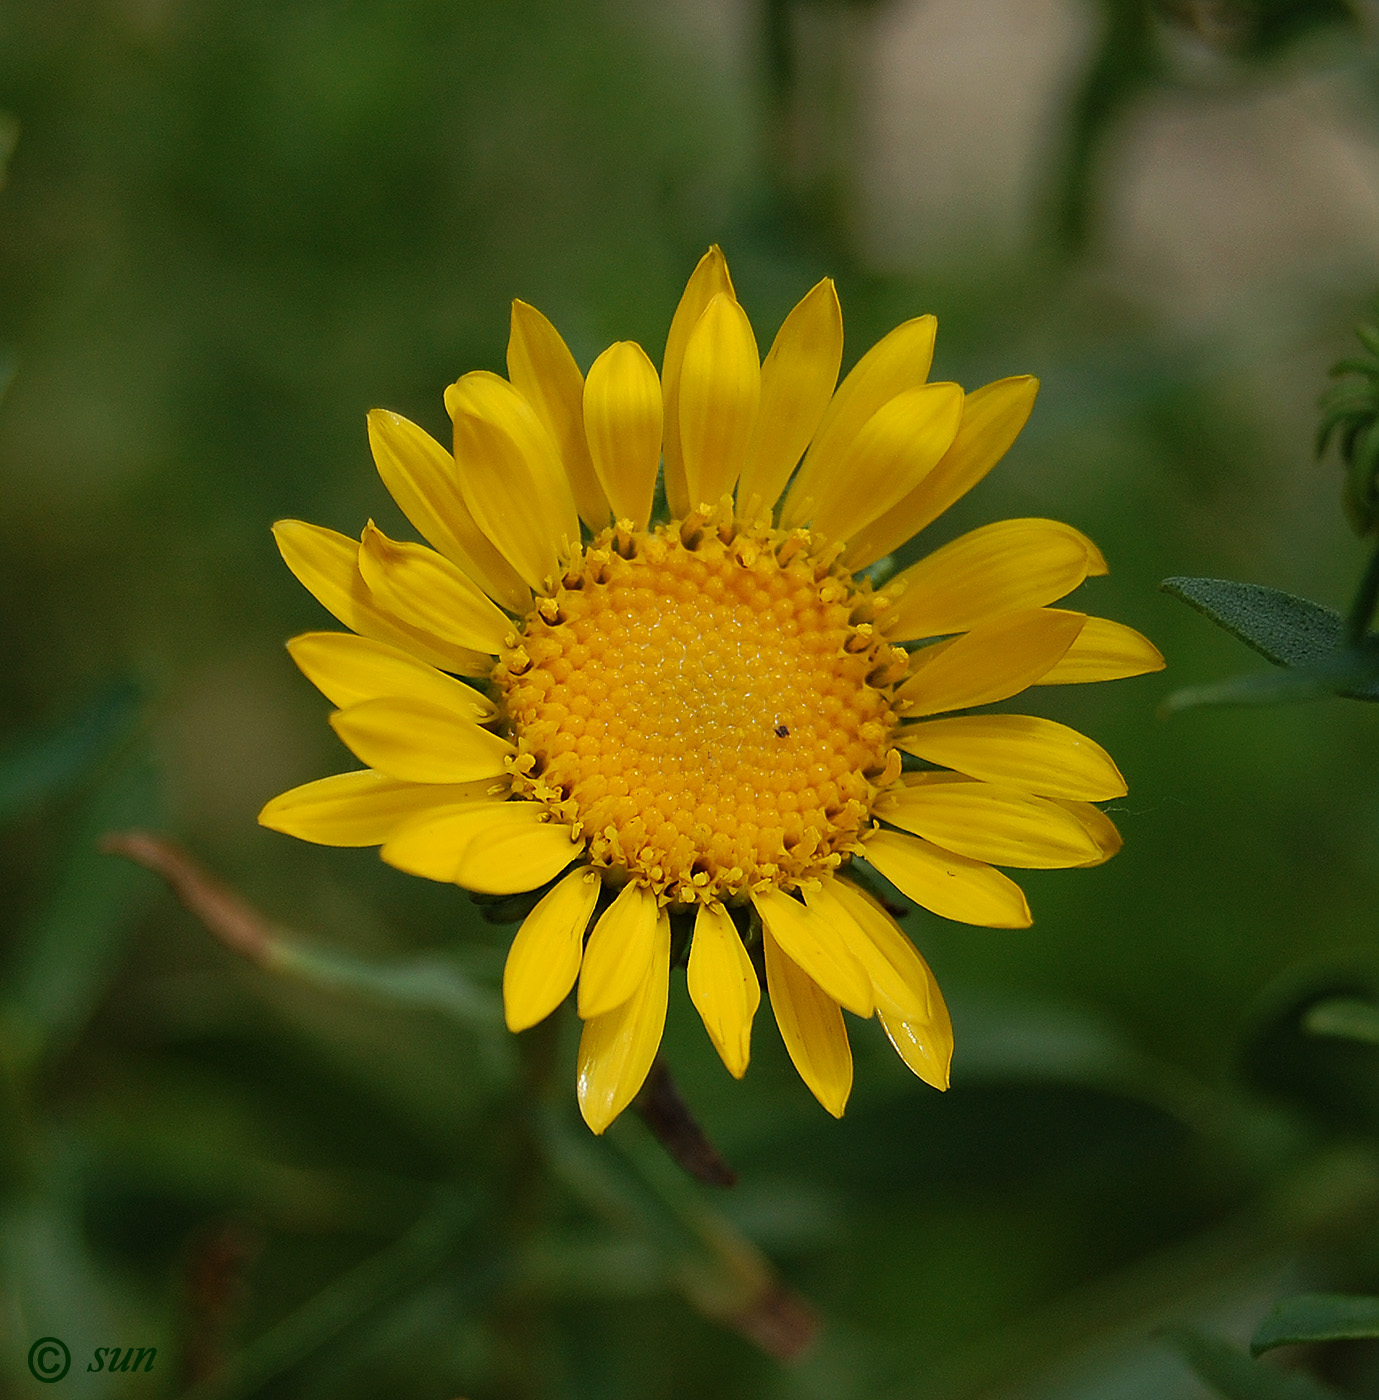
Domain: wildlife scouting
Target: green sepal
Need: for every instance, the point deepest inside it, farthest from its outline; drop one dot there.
(1317, 1317)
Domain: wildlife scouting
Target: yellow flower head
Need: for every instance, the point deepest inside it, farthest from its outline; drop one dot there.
(704, 716)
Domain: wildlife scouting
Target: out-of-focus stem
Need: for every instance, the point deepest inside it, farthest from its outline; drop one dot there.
(1366, 596)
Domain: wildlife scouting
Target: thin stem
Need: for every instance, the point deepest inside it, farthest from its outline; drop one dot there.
(1362, 609)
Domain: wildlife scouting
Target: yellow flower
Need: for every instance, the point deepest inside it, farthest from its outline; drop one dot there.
(705, 717)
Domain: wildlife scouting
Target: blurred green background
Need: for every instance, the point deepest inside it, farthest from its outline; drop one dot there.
(226, 232)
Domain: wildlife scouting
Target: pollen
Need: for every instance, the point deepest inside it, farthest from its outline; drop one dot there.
(710, 708)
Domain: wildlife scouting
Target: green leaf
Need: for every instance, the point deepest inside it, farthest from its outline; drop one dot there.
(1317, 1317)
(1233, 1374)
(41, 764)
(1347, 1017)
(426, 982)
(67, 953)
(1285, 629)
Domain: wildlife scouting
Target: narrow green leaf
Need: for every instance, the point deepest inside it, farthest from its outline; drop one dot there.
(426, 982)
(1286, 629)
(1233, 1374)
(1317, 1317)
(1346, 1017)
(67, 953)
(42, 764)
(1257, 688)
(1368, 336)
(1355, 365)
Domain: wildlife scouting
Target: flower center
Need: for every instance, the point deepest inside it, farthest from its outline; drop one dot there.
(710, 708)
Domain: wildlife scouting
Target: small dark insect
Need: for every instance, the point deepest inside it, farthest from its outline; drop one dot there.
(782, 732)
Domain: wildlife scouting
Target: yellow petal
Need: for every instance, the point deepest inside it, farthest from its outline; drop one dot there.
(541, 367)
(347, 669)
(617, 1049)
(431, 843)
(896, 447)
(511, 477)
(817, 947)
(900, 978)
(723, 986)
(422, 478)
(327, 566)
(364, 808)
(1099, 827)
(720, 388)
(1105, 651)
(425, 590)
(1000, 568)
(519, 855)
(622, 417)
(992, 417)
(797, 381)
(708, 280)
(925, 1046)
(492, 848)
(1022, 751)
(811, 1025)
(543, 961)
(992, 662)
(619, 952)
(897, 362)
(946, 883)
(419, 742)
(987, 822)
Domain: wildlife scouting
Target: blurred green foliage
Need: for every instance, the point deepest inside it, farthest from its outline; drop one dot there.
(230, 229)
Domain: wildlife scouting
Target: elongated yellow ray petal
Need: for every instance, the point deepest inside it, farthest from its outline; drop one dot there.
(817, 948)
(707, 280)
(899, 977)
(1021, 751)
(520, 855)
(541, 367)
(723, 986)
(1105, 651)
(897, 362)
(720, 388)
(617, 1050)
(925, 1046)
(432, 843)
(365, 808)
(619, 952)
(987, 822)
(897, 446)
(1099, 827)
(1000, 568)
(811, 1025)
(425, 590)
(797, 382)
(543, 961)
(347, 669)
(419, 742)
(992, 662)
(947, 883)
(992, 417)
(500, 488)
(511, 476)
(327, 566)
(422, 478)
(622, 417)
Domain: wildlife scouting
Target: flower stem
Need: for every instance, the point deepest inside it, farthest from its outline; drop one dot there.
(1362, 609)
